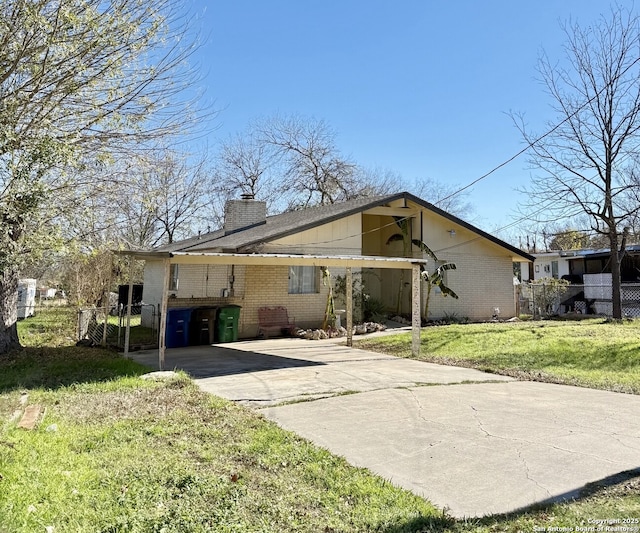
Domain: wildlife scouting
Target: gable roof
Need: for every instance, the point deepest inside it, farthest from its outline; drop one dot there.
(289, 223)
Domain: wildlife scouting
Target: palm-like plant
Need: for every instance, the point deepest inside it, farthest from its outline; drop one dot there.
(434, 279)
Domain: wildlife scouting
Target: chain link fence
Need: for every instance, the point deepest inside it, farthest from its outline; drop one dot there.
(107, 326)
(543, 300)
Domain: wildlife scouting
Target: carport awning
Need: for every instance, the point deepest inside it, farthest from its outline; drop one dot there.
(345, 261)
(218, 258)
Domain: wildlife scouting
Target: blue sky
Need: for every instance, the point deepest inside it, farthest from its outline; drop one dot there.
(422, 88)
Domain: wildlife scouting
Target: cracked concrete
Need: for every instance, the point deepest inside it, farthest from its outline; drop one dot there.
(478, 449)
(482, 445)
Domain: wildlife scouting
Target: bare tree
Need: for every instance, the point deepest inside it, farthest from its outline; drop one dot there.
(584, 161)
(447, 197)
(293, 162)
(314, 172)
(245, 165)
(175, 194)
(79, 79)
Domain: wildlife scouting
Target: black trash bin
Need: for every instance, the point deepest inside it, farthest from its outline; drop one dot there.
(202, 326)
(228, 319)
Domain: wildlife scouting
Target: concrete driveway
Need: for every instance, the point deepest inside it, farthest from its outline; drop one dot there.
(470, 442)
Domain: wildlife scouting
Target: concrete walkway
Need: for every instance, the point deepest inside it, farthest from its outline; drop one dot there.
(470, 442)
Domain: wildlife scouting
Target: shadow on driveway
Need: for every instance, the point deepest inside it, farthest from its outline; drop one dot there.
(212, 361)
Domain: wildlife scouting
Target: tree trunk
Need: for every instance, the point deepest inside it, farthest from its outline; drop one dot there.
(8, 311)
(616, 292)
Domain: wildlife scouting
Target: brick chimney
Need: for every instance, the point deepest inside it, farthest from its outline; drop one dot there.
(243, 214)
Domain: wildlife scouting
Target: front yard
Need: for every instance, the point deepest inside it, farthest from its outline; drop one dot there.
(116, 453)
(592, 353)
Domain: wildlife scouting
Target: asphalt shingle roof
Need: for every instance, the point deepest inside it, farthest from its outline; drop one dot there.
(276, 226)
(284, 224)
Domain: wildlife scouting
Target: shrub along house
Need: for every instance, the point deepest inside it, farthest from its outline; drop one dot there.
(257, 260)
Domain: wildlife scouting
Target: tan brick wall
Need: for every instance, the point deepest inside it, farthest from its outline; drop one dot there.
(481, 283)
(254, 287)
(483, 278)
(269, 285)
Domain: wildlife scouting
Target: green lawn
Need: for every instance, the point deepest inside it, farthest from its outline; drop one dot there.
(116, 453)
(130, 455)
(592, 353)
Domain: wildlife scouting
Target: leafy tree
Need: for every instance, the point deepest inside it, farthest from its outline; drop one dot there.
(569, 239)
(586, 160)
(81, 82)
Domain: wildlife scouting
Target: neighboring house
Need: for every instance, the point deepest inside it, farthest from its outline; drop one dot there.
(574, 264)
(597, 262)
(589, 272)
(358, 228)
(547, 265)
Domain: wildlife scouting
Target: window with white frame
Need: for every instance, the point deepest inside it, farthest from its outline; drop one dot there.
(303, 279)
(173, 278)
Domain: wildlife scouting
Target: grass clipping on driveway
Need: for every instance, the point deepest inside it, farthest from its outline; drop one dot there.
(125, 454)
(592, 353)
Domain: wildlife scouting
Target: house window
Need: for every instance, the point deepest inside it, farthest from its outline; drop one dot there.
(303, 280)
(173, 278)
(554, 269)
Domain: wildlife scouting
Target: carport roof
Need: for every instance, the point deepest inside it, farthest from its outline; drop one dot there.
(216, 258)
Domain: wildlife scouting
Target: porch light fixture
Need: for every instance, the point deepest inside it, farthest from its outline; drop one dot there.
(452, 233)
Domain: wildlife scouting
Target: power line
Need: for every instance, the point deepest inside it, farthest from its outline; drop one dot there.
(531, 144)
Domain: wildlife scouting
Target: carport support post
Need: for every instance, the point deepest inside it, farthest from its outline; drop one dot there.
(162, 329)
(415, 313)
(127, 331)
(106, 302)
(349, 290)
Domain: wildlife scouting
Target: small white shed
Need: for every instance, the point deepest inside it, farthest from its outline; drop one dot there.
(26, 298)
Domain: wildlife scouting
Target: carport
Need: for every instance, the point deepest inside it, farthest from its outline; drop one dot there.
(346, 262)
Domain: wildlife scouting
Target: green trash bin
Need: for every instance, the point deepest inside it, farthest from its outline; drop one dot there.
(228, 319)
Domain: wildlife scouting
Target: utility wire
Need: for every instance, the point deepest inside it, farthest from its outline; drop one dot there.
(531, 144)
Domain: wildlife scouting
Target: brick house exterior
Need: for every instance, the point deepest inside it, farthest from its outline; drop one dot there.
(483, 278)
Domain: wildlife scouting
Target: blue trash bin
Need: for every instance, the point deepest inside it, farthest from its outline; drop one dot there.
(177, 334)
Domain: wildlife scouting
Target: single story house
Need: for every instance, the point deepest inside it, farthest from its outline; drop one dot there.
(547, 265)
(574, 264)
(257, 260)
